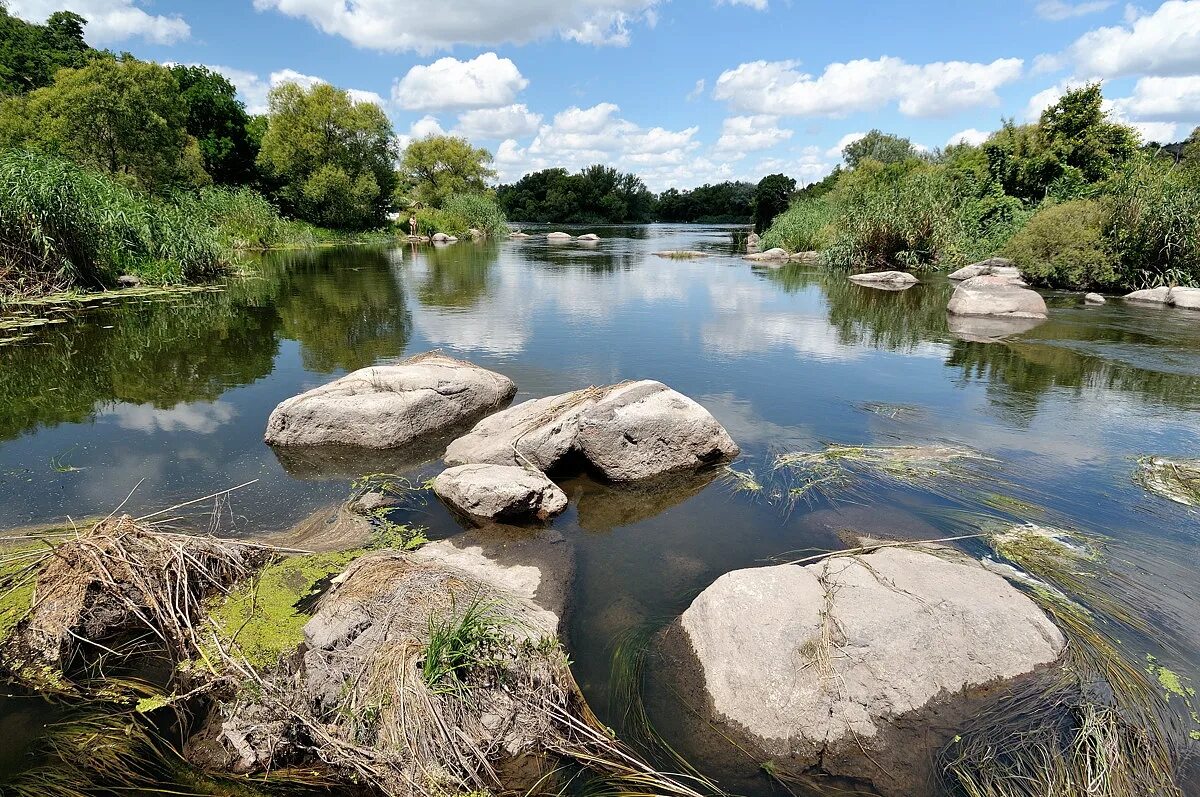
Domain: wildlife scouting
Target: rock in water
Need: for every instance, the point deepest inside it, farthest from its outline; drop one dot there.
(775, 254)
(440, 238)
(996, 296)
(808, 258)
(500, 492)
(993, 266)
(885, 279)
(388, 406)
(629, 431)
(1185, 298)
(590, 236)
(1150, 296)
(834, 669)
(129, 281)
(644, 429)
(1094, 298)
(558, 236)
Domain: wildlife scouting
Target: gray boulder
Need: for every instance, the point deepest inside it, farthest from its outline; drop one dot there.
(630, 431)
(891, 280)
(1094, 298)
(993, 266)
(389, 406)
(809, 258)
(590, 236)
(518, 234)
(996, 296)
(1185, 298)
(775, 254)
(851, 667)
(500, 492)
(1150, 296)
(644, 429)
(558, 236)
(753, 242)
(441, 238)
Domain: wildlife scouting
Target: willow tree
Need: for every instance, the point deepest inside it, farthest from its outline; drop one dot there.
(436, 168)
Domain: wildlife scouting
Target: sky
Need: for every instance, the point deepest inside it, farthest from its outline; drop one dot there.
(682, 92)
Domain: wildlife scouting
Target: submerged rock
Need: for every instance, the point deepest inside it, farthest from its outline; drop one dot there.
(681, 254)
(995, 296)
(1176, 480)
(500, 492)
(626, 432)
(989, 329)
(852, 667)
(518, 234)
(776, 254)
(1094, 298)
(389, 406)
(993, 266)
(888, 280)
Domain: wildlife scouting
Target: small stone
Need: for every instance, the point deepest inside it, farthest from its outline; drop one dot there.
(1094, 298)
(500, 492)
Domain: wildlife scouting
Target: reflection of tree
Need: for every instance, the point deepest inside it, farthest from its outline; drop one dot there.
(156, 353)
(344, 306)
(455, 276)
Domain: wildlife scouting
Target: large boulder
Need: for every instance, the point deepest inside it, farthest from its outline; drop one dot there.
(888, 280)
(1150, 296)
(993, 266)
(626, 432)
(499, 492)
(558, 236)
(852, 667)
(588, 236)
(643, 429)
(771, 255)
(1183, 298)
(389, 406)
(996, 296)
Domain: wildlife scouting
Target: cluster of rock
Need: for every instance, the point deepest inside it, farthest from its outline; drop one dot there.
(1182, 298)
(564, 236)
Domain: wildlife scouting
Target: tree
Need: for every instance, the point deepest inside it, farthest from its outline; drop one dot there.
(30, 55)
(435, 168)
(121, 116)
(218, 121)
(771, 197)
(878, 146)
(1078, 132)
(331, 157)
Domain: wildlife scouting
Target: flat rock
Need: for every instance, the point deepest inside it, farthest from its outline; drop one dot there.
(388, 406)
(996, 296)
(828, 667)
(885, 279)
(681, 254)
(540, 433)
(1150, 296)
(589, 236)
(1094, 298)
(518, 235)
(1185, 298)
(811, 258)
(644, 429)
(500, 492)
(770, 254)
(993, 266)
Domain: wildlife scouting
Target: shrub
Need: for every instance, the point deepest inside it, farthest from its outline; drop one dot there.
(1154, 225)
(1063, 246)
(804, 227)
(462, 213)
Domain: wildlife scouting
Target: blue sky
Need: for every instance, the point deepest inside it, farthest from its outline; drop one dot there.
(683, 91)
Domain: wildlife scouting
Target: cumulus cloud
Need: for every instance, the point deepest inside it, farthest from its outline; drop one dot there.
(485, 81)
(109, 21)
(742, 134)
(968, 136)
(935, 89)
(425, 126)
(1163, 43)
(511, 121)
(398, 25)
(1058, 10)
(1163, 99)
(757, 5)
(697, 92)
(836, 150)
(254, 90)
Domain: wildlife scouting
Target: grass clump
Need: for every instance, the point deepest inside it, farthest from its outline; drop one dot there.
(462, 213)
(1173, 479)
(460, 644)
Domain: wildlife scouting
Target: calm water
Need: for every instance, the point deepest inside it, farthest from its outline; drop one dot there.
(174, 397)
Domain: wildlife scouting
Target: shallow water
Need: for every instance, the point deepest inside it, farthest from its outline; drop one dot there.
(171, 398)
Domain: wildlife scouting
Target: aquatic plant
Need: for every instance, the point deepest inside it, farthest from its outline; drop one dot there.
(459, 643)
(1174, 479)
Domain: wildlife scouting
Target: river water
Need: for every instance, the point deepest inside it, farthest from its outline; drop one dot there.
(171, 397)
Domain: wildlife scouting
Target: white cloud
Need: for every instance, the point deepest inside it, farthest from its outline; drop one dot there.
(1165, 42)
(1163, 99)
(697, 92)
(1043, 100)
(742, 134)
(511, 121)
(425, 126)
(836, 150)
(968, 136)
(108, 20)
(397, 25)
(1058, 10)
(254, 91)
(186, 417)
(807, 166)
(757, 5)
(919, 90)
(486, 81)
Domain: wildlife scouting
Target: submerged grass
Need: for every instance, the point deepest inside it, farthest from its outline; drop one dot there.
(1174, 479)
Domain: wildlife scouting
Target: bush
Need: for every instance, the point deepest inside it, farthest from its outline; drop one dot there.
(1154, 225)
(244, 219)
(462, 213)
(804, 227)
(1063, 246)
(62, 226)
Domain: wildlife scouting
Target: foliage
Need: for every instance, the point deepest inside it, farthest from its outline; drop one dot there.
(1079, 134)
(771, 197)
(804, 227)
(244, 219)
(728, 202)
(62, 226)
(120, 116)
(217, 120)
(331, 157)
(30, 54)
(880, 147)
(435, 168)
(461, 214)
(1154, 224)
(1063, 246)
(1189, 158)
(459, 644)
(596, 195)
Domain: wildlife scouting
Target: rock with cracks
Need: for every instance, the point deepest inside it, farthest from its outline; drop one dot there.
(625, 432)
(500, 492)
(389, 406)
(1182, 298)
(852, 667)
(996, 296)
(993, 266)
(771, 255)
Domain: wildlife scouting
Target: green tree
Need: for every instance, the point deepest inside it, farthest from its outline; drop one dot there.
(1081, 136)
(30, 54)
(218, 121)
(331, 158)
(436, 168)
(121, 116)
(771, 197)
(878, 146)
